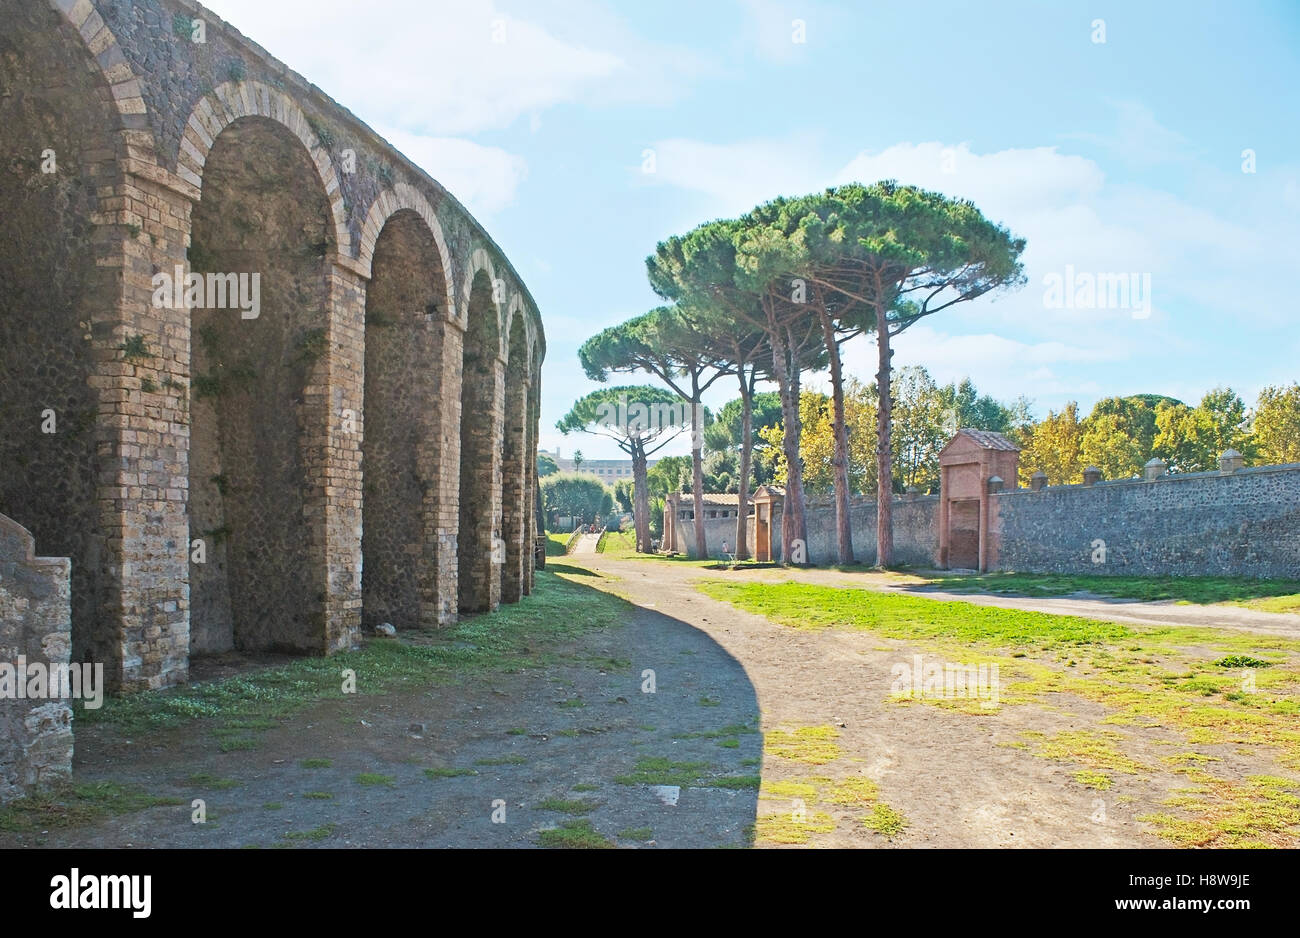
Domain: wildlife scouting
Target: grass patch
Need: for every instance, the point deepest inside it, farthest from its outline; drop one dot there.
(1242, 591)
(659, 770)
(316, 763)
(1090, 779)
(584, 786)
(319, 796)
(315, 834)
(1094, 750)
(211, 782)
(1262, 811)
(371, 779)
(74, 804)
(448, 773)
(885, 821)
(737, 782)
(616, 542)
(273, 806)
(636, 833)
(533, 633)
(792, 827)
(576, 834)
(814, 745)
(567, 806)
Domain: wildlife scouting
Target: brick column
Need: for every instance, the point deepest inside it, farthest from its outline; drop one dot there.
(514, 488)
(439, 579)
(332, 409)
(142, 634)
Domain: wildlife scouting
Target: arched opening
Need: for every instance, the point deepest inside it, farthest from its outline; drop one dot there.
(264, 217)
(402, 476)
(480, 454)
(57, 146)
(514, 478)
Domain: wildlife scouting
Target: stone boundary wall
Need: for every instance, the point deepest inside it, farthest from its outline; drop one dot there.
(35, 624)
(1240, 523)
(1244, 523)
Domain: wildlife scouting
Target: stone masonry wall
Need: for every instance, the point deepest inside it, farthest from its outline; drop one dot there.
(148, 124)
(1246, 523)
(35, 624)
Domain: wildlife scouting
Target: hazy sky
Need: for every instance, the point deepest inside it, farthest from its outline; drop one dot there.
(1123, 156)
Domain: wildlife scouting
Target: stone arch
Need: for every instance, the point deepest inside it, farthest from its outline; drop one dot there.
(480, 262)
(256, 429)
(64, 367)
(404, 197)
(122, 82)
(407, 466)
(234, 100)
(514, 457)
(479, 548)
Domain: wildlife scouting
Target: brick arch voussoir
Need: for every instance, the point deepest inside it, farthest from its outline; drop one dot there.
(233, 100)
(118, 75)
(404, 197)
(481, 260)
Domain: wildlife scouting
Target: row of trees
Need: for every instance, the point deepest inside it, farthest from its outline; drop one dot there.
(1119, 436)
(1122, 434)
(775, 293)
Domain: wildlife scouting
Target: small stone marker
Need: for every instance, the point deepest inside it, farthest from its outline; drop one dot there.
(386, 630)
(667, 794)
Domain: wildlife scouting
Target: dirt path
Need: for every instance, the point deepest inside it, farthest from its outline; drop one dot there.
(586, 544)
(547, 745)
(959, 780)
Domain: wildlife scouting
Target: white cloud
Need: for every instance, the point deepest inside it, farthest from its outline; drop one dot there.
(737, 176)
(483, 178)
(432, 67)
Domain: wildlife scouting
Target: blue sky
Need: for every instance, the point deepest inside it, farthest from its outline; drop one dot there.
(1122, 156)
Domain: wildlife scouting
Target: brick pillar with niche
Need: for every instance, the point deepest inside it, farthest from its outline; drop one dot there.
(967, 506)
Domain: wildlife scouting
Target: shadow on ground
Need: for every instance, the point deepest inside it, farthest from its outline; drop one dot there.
(561, 742)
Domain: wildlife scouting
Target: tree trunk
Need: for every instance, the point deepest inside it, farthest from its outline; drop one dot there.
(640, 500)
(799, 517)
(884, 461)
(792, 503)
(697, 476)
(746, 456)
(844, 534)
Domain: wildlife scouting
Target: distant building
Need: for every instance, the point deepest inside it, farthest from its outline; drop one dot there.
(607, 470)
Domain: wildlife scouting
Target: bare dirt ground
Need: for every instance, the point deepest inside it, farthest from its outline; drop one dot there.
(430, 766)
(958, 779)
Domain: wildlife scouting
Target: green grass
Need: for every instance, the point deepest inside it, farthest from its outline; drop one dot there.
(585, 786)
(636, 833)
(885, 820)
(575, 834)
(316, 763)
(315, 834)
(616, 542)
(448, 773)
(567, 805)
(1206, 686)
(659, 770)
(529, 634)
(70, 804)
(1269, 595)
(318, 796)
(209, 781)
(556, 544)
(372, 779)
